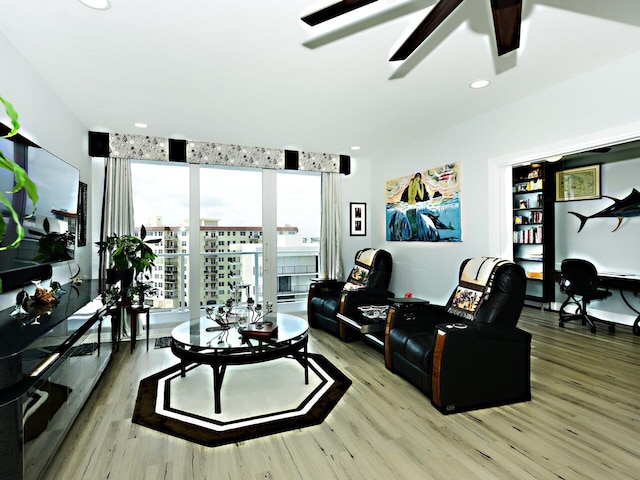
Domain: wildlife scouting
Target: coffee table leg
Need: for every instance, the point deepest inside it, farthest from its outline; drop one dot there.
(306, 365)
(218, 376)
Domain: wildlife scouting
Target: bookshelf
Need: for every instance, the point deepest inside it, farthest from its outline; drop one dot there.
(533, 228)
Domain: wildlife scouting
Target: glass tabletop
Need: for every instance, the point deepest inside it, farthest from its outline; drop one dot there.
(206, 333)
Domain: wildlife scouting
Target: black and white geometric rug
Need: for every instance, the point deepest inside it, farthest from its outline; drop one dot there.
(256, 400)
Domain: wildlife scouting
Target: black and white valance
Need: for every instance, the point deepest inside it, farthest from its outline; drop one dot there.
(141, 147)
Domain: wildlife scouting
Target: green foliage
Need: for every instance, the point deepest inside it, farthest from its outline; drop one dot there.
(129, 251)
(21, 179)
(53, 246)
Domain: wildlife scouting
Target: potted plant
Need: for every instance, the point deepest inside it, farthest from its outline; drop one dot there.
(54, 246)
(131, 258)
(141, 289)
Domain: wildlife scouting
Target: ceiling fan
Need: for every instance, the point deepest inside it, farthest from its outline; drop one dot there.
(507, 17)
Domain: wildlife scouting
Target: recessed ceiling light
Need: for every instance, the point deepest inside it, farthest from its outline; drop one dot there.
(355, 147)
(97, 4)
(479, 84)
(554, 158)
(140, 125)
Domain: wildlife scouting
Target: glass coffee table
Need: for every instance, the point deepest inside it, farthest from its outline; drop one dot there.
(205, 342)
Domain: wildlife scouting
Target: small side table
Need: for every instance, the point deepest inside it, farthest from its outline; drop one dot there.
(134, 311)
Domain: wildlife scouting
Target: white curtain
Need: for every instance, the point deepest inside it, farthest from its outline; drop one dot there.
(117, 204)
(331, 228)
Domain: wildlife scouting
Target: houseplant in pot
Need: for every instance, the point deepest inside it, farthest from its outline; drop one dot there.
(130, 258)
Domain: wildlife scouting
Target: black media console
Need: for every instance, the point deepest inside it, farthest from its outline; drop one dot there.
(49, 364)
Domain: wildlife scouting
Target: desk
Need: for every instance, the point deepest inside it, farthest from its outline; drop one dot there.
(623, 282)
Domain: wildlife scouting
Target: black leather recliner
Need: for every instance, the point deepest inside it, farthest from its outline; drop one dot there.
(367, 284)
(469, 353)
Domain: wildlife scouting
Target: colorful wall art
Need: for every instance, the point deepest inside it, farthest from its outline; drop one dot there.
(425, 206)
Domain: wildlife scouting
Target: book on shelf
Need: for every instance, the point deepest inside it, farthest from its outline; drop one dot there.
(535, 217)
(528, 235)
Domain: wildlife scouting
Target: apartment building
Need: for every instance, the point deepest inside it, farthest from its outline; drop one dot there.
(230, 263)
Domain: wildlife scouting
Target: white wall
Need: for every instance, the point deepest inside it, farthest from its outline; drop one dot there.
(48, 122)
(357, 187)
(608, 251)
(592, 109)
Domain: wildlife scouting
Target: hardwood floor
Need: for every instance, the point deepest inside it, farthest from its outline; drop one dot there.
(583, 422)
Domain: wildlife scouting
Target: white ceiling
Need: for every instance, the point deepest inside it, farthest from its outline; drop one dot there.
(245, 72)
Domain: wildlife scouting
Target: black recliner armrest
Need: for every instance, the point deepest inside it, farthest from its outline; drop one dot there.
(422, 315)
(326, 286)
(478, 365)
(498, 332)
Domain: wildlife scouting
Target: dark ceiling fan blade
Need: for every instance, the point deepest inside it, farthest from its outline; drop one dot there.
(335, 10)
(507, 18)
(436, 16)
(600, 150)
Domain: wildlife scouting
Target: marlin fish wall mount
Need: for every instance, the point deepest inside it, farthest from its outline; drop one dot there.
(629, 206)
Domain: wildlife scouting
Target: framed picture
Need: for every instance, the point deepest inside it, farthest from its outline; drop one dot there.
(358, 219)
(82, 214)
(578, 183)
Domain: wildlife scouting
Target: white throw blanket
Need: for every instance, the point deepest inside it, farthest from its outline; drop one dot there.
(475, 285)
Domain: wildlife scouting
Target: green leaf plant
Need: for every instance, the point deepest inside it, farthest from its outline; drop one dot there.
(131, 252)
(21, 181)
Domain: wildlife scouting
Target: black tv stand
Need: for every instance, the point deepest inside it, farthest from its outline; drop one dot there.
(48, 367)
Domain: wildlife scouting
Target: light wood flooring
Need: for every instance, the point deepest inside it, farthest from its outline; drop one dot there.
(582, 423)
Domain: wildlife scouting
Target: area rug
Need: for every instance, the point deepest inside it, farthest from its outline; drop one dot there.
(257, 400)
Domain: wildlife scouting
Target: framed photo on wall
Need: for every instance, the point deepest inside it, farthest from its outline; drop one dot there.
(357, 219)
(578, 183)
(82, 214)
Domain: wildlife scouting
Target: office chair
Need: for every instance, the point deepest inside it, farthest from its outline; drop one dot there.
(580, 283)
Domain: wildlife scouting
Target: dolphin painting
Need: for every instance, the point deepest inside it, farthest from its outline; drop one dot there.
(629, 206)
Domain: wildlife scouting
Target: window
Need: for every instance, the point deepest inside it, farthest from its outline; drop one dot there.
(298, 203)
(222, 190)
(238, 257)
(162, 211)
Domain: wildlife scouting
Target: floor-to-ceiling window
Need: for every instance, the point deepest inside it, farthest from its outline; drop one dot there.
(161, 204)
(298, 220)
(230, 234)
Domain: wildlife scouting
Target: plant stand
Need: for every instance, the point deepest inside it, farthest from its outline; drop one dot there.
(134, 312)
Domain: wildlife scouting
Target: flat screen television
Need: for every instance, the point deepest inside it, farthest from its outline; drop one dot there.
(57, 207)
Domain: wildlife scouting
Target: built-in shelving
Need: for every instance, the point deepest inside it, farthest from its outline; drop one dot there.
(533, 242)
